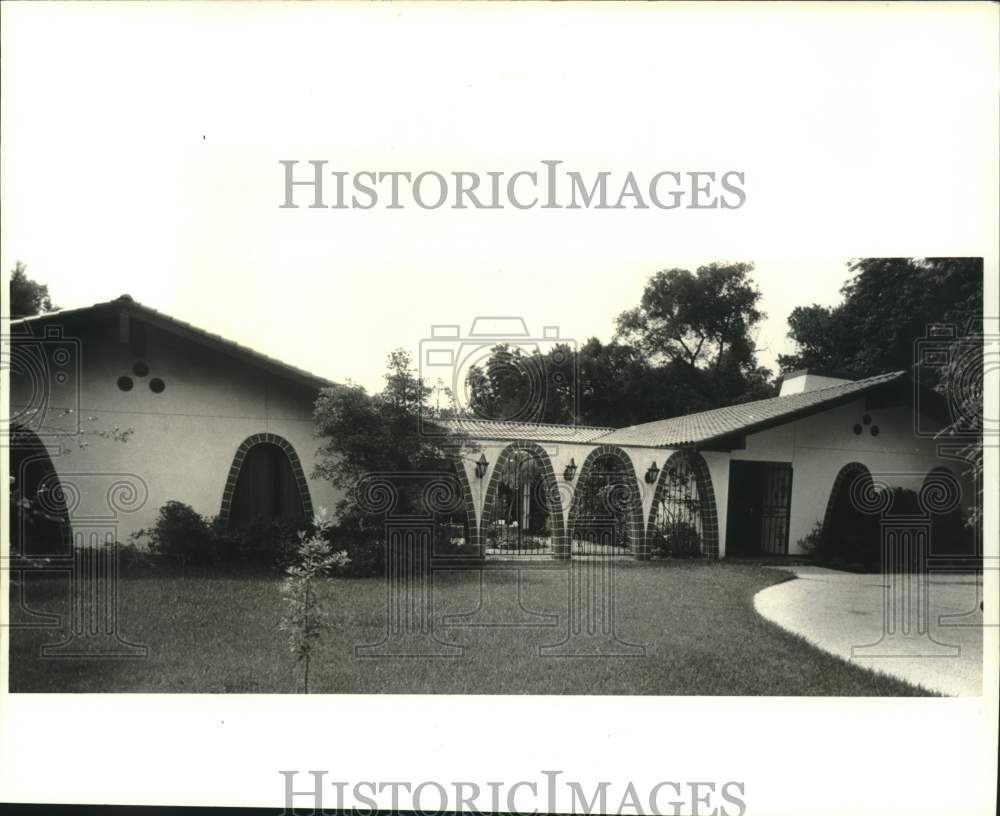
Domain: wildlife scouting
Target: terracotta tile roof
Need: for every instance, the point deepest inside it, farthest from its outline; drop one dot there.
(693, 429)
(127, 304)
(533, 431)
(745, 417)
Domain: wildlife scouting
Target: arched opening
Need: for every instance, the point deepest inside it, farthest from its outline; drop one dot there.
(266, 485)
(683, 521)
(39, 515)
(605, 517)
(850, 529)
(522, 513)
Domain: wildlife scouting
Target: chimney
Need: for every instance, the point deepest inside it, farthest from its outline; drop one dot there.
(810, 379)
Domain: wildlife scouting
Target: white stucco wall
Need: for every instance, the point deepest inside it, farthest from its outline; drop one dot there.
(185, 438)
(819, 446)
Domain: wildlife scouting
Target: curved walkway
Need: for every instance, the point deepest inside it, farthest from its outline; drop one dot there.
(842, 613)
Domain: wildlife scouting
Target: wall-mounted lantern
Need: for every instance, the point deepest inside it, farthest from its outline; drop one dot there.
(652, 474)
(481, 466)
(570, 473)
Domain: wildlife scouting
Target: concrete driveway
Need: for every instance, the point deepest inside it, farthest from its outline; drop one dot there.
(875, 622)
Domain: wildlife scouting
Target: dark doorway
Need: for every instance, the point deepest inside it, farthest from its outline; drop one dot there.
(760, 500)
(39, 519)
(266, 489)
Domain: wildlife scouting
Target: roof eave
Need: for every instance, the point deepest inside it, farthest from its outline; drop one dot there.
(185, 330)
(801, 413)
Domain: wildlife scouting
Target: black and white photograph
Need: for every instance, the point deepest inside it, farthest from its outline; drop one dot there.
(461, 407)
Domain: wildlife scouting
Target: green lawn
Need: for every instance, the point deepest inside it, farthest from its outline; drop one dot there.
(213, 633)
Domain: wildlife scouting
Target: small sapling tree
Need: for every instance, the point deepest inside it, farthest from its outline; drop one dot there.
(304, 613)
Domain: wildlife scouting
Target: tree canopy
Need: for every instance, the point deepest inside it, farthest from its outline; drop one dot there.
(391, 433)
(27, 297)
(688, 346)
(702, 320)
(889, 304)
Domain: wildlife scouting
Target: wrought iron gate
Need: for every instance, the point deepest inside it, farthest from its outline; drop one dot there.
(603, 501)
(679, 527)
(776, 503)
(521, 525)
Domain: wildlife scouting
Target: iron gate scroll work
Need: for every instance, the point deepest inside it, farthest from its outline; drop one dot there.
(776, 508)
(678, 524)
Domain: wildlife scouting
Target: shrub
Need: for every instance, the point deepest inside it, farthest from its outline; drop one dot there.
(183, 537)
(364, 546)
(683, 540)
(131, 556)
(451, 539)
(180, 536)
(812, 542)
(270, 544)
(658, 544)
(676, 539)
(852, 549)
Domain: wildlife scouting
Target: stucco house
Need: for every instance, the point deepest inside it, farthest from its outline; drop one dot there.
(761, 474)
(229, 431)
(214, 424)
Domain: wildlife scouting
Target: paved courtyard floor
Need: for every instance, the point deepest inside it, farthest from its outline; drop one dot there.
(875, 621)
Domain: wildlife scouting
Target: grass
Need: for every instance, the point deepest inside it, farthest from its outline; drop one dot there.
(218, 633)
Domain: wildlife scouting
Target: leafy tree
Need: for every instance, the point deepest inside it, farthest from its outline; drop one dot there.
(27, 297)
(888, 305)
(620, 386)
(703, 320)
(395, 434)
(701, 325)
(687, 347)
(517, 386)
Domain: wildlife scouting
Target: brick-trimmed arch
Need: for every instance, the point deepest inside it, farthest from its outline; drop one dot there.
(560, 543)
(467, 502)
(636, 529)
(706, 494)
(241, 454)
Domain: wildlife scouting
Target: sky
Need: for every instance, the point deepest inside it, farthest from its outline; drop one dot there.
(141, 155)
